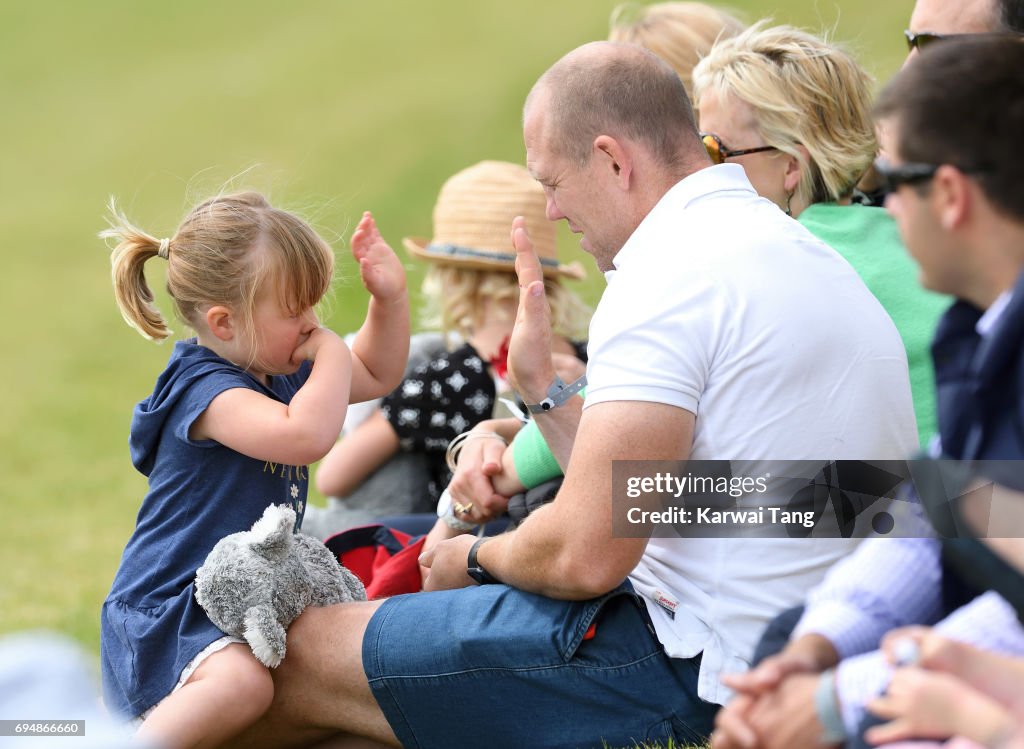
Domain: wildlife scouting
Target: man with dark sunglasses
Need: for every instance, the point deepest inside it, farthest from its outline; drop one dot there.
(955, 192)
(954, 189)
(935, 20)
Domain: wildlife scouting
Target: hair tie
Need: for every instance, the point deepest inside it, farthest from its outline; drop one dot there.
(165, 246)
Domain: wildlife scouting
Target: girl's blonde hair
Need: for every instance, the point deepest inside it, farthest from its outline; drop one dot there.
(804, 91)
(454, 297)
(680, 33)
(223, 253)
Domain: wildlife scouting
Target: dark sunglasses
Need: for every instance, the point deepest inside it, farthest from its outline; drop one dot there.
(719, 153)
(892, 176)
(922, 40)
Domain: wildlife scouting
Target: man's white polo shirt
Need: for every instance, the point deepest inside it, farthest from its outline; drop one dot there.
(722, 305)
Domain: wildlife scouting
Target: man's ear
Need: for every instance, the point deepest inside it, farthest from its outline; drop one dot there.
(791, 177)
(951, 197)
(221, 322)
(614, 157)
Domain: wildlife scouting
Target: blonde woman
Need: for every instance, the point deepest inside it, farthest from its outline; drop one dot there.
(795, 112)
(472, 293)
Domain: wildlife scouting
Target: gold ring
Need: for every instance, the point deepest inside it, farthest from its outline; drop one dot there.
(462, 509)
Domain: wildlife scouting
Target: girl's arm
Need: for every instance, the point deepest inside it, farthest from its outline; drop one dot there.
(297, 433)
(381, 347)
(356, 456)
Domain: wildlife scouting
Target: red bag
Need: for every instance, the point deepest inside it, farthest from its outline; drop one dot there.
(384, 559)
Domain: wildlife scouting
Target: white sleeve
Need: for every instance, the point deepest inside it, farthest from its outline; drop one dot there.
(652, 341)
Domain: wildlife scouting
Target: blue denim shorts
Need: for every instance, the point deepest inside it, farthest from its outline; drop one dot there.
(493, 666)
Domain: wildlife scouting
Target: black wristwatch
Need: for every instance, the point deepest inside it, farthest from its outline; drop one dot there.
(473, 568)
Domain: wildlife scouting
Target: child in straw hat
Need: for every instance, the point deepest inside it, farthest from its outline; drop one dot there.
(471, 293)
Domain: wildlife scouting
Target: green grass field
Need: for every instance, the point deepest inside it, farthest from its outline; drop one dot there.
(332, 107)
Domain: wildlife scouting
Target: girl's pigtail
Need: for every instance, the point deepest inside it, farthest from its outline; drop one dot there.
(128, 258)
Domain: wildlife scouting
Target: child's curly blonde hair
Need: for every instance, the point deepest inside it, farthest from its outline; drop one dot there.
(454, 298)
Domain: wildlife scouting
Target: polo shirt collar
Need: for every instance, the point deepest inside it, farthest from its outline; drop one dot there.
(703, 182)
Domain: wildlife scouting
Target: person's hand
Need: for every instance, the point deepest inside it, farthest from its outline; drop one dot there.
(479, 461)
(785, 717)
(530, 369)
(447, 562)
(570, 368)
(381, 270)
(307, 350)
(770, 672)
(924, 704)
(732, 725)
(929, 649)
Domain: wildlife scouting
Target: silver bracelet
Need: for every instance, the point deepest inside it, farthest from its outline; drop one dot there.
(451, 455)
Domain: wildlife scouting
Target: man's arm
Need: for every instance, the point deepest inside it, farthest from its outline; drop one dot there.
(566, 549)
(987, 622)
(885, 583)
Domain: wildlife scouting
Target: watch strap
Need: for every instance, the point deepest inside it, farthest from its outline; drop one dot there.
(473, 567)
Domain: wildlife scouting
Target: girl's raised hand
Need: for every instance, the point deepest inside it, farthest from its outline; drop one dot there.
(382, 272)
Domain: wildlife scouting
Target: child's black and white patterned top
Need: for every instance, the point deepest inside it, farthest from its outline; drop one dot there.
(439, 400)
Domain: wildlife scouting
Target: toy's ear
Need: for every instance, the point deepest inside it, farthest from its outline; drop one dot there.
(272, 534)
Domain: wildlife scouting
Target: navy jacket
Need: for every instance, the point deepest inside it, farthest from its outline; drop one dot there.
(980, 387)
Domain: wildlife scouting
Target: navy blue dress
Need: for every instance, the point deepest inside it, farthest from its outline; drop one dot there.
(151, 626)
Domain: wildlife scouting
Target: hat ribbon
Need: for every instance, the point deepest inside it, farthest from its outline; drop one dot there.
(451, 250)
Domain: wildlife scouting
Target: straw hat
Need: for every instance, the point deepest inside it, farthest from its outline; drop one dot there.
(473, 221)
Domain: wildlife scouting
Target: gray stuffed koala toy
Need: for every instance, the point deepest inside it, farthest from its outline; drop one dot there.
(255, 583)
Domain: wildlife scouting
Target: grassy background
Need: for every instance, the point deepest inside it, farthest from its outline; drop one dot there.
(331, 107)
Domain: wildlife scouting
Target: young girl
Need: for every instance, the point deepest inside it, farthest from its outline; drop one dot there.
(472, 294)
(231, 426)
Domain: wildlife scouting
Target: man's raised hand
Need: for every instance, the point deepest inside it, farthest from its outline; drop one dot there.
(529, 354)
